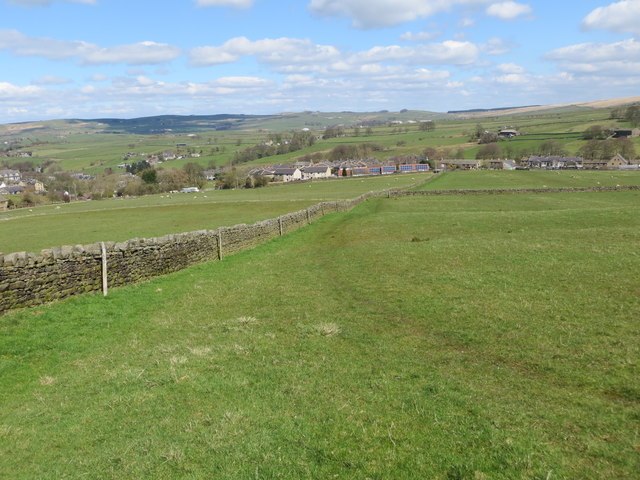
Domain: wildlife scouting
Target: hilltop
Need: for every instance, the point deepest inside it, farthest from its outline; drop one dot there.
(162, 124)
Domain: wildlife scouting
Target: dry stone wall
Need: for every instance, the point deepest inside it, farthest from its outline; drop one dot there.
(28, 279)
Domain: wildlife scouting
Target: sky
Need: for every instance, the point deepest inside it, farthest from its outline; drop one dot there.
(133, 58)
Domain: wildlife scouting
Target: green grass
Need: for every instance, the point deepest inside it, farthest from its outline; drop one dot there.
(501, 179)
(458, 337)
(156, 215)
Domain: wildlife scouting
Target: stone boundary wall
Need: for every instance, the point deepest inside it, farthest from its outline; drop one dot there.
(28, 279)
(498, 191)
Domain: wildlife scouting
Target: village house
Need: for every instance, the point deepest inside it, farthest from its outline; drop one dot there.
(262, 172)
(502, 165)
(212, 174)
(616, 162)
(287, 174)
(313, 172)
(465, 164)
(37, 185)
(168, 155)
(412, 167)
(554, 162)
(352, 168)
(10, 176)
(11, 189)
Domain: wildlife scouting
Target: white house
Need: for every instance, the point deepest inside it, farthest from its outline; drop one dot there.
(287, 174)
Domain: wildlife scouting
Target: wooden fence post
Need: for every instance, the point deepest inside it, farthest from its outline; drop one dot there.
(219, 236)
(280, 225)
(105, 285)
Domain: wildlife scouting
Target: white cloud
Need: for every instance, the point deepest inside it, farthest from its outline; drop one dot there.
(296, 56)
(50, 80)
(272, 51)
(510, 68)
(241, 82)
(98, 77)
(367, 14)
(497, 46)
(88, 54)
(620, 17)
(466, 23)
(450, 52)
(142, 53)
(14, 93)
(513, 78)
(21, 45)
(608, 59)
(242, 4)
(419, 36)
(508, 10)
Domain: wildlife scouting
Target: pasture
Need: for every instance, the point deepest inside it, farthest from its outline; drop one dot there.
(155, 215)
(457, 337)
(87, 147)
(504, 179)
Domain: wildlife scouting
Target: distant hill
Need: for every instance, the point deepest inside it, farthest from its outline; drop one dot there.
(162, 124)
(542, 108)
(483, 110)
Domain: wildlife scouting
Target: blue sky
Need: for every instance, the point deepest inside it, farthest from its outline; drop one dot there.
(129, 58)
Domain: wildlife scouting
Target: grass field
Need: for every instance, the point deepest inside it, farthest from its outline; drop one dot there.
(504, 179)
(80, 146)
(156, 215)
(458, 337)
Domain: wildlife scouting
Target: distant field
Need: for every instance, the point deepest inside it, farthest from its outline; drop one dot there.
(84, 146)
(457, 337)
(491, 179)
(156, 215)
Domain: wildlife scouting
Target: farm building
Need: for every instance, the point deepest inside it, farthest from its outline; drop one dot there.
(625, 133)
(508, 133)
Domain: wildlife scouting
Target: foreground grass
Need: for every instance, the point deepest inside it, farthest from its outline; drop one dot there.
(156, 215)
(497, 179)
(448, 337)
